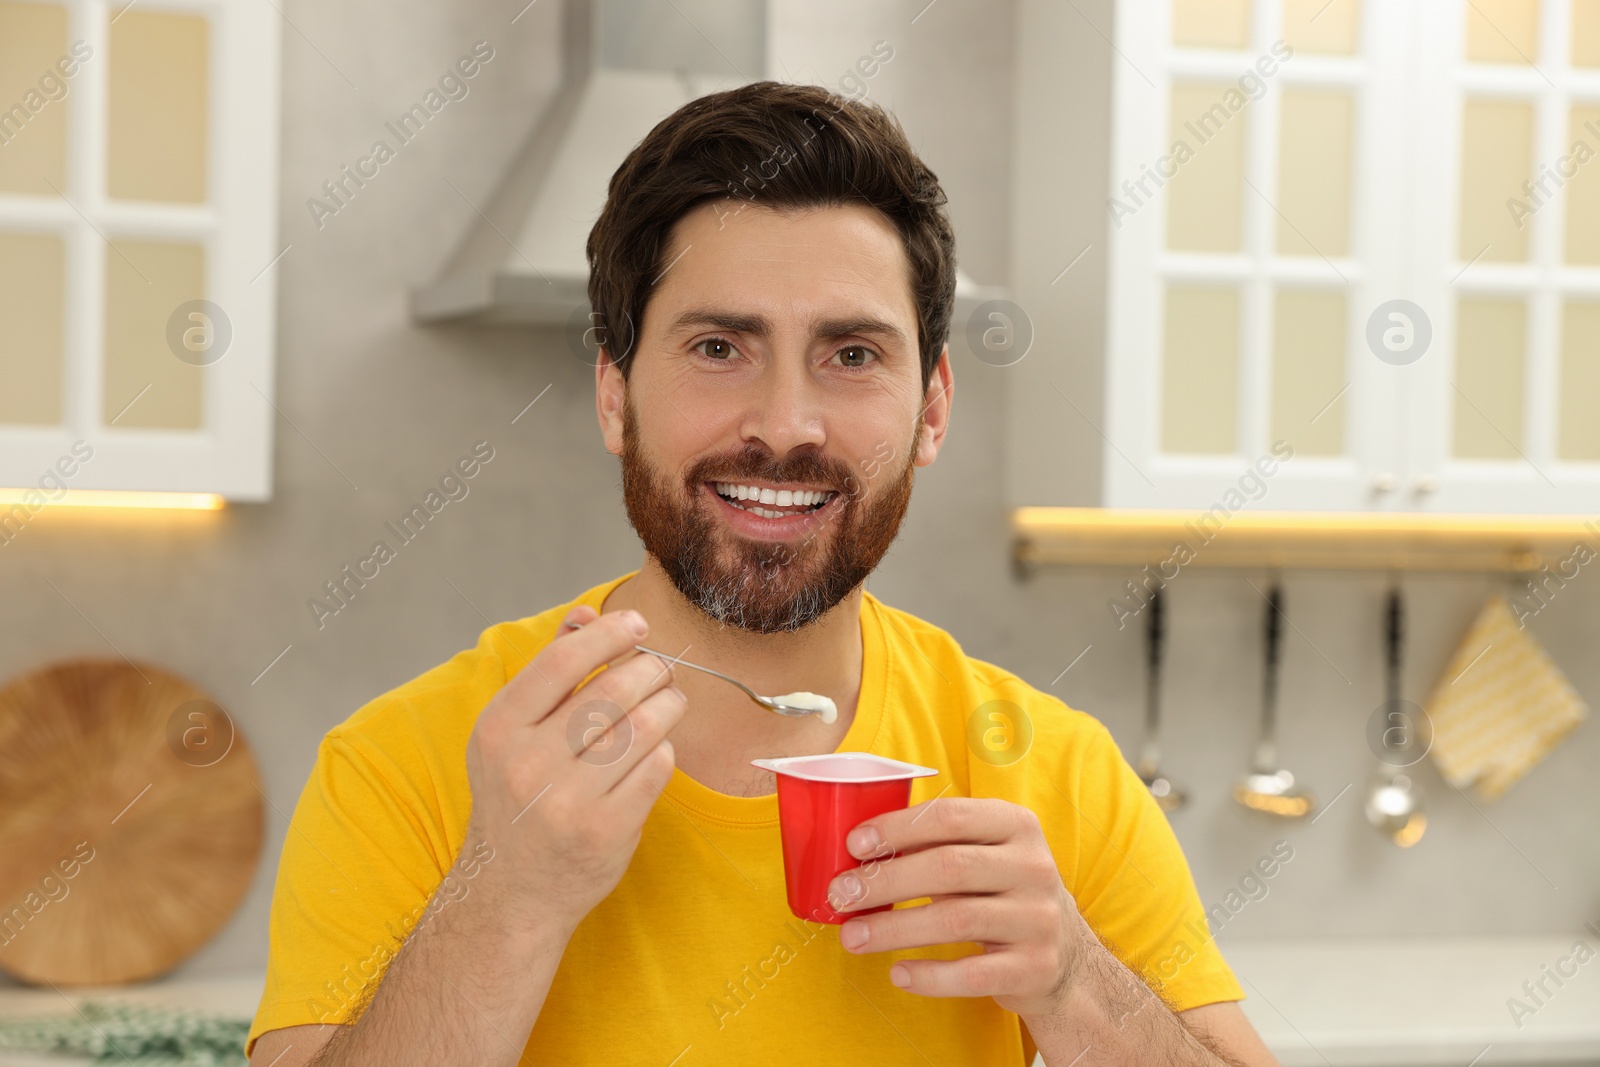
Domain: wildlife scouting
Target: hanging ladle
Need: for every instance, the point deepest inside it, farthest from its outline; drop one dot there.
(1395, 801)
(1168, 796)
(1269, 787)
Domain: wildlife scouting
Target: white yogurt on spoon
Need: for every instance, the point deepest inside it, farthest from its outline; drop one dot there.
(825, 708)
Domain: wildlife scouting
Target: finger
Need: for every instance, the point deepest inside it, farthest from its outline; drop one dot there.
(664, 664)
(932, 872)
(986, 974)
(571, 657)
(641, 786)
(576, 618)
(606, 755)
(942, 820)
(988, 920)
(613, 690)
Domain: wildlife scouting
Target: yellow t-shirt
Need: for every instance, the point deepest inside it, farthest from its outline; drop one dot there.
(696, 949)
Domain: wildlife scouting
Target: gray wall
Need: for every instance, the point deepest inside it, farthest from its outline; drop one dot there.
(378, 402)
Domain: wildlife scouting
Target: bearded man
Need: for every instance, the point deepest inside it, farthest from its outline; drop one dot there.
(565, 855)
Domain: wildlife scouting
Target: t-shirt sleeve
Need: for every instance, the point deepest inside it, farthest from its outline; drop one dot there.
(360, 863)
(1133, 885)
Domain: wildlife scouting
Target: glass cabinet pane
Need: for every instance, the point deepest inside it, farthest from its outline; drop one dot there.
(33, 314)
(1586, 33)
(1490, 338)
(1200, 370)
(1580, 381)
(33, 98)
(1496, 159)
(156, 115)
(1314, 173)
(1205, 196)
(1582, 189)
(1211, 23)
(146, 282)
(1502, 31)
(1308, 371)
(1326, 26)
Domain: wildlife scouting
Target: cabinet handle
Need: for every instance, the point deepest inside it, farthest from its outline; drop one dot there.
(1385, 482)
(1427, 483)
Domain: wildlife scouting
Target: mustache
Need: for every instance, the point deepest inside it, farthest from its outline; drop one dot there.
(758, 464)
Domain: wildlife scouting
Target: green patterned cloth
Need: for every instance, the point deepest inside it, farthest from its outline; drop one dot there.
(130, 1034)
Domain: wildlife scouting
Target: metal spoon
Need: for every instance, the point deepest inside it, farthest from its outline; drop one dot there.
(1168, 796)
(787, 704)
(1269, 787)
(1394, 801)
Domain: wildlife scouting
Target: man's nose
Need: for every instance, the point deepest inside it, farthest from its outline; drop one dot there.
(786, 407)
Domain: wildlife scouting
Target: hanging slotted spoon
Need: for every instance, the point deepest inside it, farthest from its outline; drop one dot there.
(1395, 801)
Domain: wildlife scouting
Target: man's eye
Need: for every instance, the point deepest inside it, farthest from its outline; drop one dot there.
(716, 348)
(856, 355)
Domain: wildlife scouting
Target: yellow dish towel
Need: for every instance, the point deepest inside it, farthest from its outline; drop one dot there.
(1501, 705)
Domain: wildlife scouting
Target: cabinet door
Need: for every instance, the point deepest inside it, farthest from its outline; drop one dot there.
(1254, 227)
(138, 225)
(1502, 414)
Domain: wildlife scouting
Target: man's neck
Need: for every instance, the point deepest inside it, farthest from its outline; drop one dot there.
(723, 728)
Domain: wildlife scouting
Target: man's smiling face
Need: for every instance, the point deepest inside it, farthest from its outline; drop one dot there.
(774, 409)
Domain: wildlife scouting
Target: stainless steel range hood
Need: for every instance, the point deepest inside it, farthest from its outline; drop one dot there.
(627, 64)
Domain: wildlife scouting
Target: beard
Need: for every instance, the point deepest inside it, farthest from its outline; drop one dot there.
(764, 587)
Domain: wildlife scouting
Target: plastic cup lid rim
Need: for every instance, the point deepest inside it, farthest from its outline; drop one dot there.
(801, 767)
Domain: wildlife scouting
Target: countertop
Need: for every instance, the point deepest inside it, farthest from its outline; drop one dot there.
(1345, 1003)
(229, 994)
(1419, 1001)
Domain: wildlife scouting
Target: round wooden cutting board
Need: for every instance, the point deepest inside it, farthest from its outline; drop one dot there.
(131, 822)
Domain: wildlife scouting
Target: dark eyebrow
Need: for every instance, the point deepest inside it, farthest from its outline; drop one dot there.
(821, 329)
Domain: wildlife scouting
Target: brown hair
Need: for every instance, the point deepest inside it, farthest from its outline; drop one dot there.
(780, 146)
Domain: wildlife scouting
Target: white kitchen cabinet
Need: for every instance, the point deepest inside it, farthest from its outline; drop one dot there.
(138, 230)
(1280, 171)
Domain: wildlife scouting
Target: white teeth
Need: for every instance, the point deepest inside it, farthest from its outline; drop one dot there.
(782, 498)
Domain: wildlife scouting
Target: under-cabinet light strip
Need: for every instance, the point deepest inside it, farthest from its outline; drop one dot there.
(35, 499)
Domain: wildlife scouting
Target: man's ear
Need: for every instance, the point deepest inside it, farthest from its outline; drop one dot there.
(936, 413)
(610, 393)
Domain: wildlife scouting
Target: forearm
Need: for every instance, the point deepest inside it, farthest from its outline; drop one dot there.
(1109, 1016)
(464, 989)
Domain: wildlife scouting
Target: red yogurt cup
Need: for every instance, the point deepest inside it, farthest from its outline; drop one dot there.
(820, 800)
